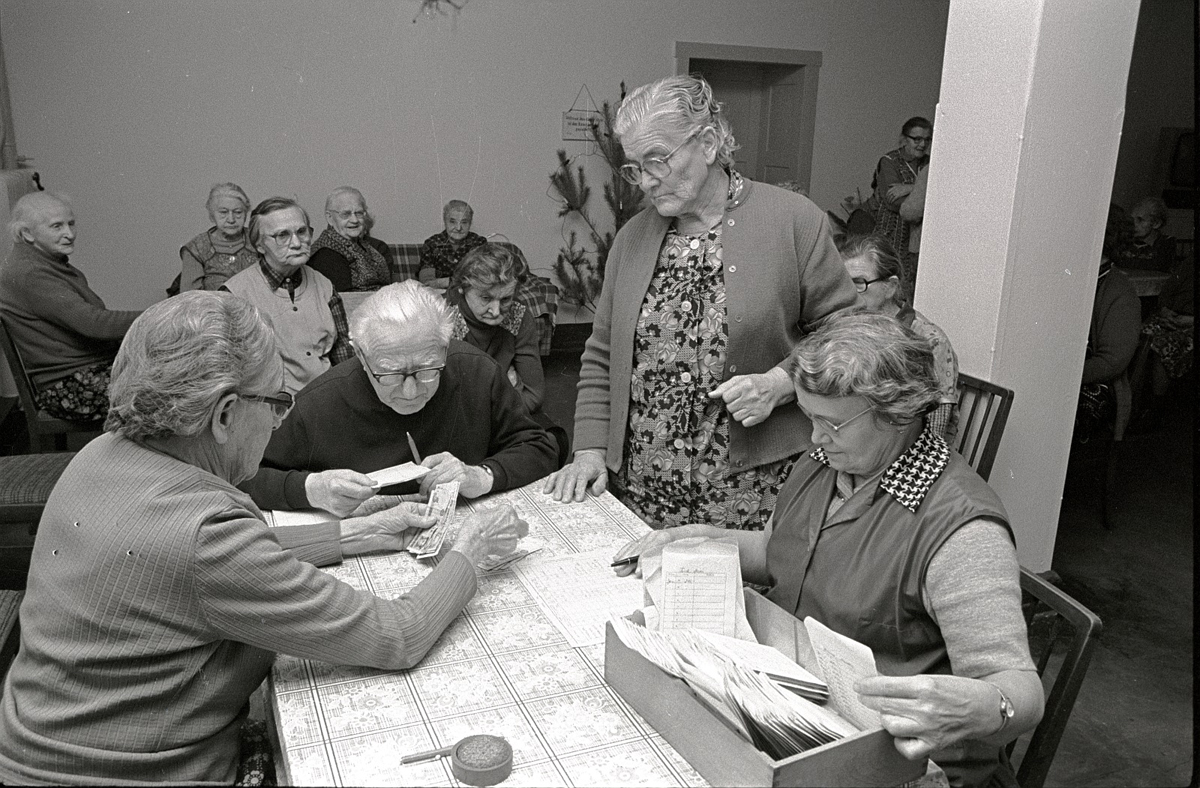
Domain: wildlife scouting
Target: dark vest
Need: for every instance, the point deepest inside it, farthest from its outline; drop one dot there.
(218, 267)
(861, 572)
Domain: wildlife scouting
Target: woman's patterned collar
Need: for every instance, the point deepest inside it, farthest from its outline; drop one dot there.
(910, 476)
(511, 322)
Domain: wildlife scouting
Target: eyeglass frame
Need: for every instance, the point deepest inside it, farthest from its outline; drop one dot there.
(632, 172)
(861, 285)
(284, 399)
(921, 140)
(283, 238)
(344, 215)
(414, 374)
(829, 426)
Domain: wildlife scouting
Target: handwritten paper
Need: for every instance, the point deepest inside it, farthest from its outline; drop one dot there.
(843, 661)
(278, 517)
(701, 585)
(396, 474)
(580, 592)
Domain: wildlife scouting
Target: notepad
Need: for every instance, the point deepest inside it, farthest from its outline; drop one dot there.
(404, 472)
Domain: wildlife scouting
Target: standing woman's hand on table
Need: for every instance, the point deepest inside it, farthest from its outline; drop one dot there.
(491, 533)
(587, 473)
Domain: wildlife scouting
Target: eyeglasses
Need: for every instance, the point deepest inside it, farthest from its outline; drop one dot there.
(861, 285)
(828, 425)
(284, 237)
(280, 403)
(236, 214)
(344, 215)
(427, 375)
(920, 140)
(656, 166)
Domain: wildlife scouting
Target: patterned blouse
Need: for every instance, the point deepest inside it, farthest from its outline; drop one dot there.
(676, 465)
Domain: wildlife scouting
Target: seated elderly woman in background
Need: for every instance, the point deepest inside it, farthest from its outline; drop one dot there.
(345, 251)
(408, 378)
(441, 253)
(158, 597)
(481, 292)
(1150, 247)
(886, 535)
(878, 277)
(66, 337)
(681, 388)
(223, 249)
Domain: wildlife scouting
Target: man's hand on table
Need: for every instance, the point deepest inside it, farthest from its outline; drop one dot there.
(385, 522)
(338, 491)
(490, 534)
(473, 480)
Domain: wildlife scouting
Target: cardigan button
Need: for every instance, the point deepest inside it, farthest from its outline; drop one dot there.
(679, 443)
(731, 222)
(295, 309)
(733, 269)
(695, 244)
(740, 463)
(738, 319)
(686, 377)
(733, 367)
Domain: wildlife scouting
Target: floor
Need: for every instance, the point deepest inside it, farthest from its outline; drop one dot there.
(1132, 724)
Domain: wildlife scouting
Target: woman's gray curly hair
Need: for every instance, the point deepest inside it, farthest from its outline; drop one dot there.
(180, 357)
(856, 353)
(677, 105)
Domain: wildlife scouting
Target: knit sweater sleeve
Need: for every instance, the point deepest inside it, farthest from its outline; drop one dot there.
(296, 609)
(592, 403)
(191, 276)
(973, 591)
(54, 300)
(825, 286)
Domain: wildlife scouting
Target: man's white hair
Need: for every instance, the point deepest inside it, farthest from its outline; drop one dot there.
(400, 310)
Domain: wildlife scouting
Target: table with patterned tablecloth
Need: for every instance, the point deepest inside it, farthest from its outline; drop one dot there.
(506, 666)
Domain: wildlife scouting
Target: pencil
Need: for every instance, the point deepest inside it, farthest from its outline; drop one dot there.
(625, 561)
(412, 446)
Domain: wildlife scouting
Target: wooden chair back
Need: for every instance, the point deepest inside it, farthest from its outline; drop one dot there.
(1056, 621)
(982, 413)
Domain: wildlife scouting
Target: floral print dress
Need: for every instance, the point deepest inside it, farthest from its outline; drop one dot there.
(676, 466)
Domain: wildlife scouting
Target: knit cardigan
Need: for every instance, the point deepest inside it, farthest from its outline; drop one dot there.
(782, 273)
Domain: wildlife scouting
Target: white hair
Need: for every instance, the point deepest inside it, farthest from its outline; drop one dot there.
(29, 211)
(400, 310)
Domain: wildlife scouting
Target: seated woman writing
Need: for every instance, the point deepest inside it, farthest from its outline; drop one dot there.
(887, 536)
(158, 597)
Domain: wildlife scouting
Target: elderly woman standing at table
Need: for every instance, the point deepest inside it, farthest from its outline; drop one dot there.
(886, 535)
(157, 596)
(222, 250)
(66, 336)
(704, 294)
(344, 251)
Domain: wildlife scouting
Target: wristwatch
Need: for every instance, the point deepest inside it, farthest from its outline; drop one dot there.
(1007, 710)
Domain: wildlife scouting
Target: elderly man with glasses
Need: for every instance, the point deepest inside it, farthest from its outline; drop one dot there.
(304, 306)
(411, 393)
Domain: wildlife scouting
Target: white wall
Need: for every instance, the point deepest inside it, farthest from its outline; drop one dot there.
(135, 107)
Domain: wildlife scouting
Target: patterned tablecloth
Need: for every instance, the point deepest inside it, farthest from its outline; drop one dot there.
(504, 667)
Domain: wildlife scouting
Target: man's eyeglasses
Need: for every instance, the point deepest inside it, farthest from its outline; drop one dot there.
(829, 426)
(655, 166)
(861, 284)
(920, 140)
(284, 237)
(280, 403)
(426, 375)
(344, 215)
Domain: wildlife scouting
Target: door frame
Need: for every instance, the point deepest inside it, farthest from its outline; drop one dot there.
(808, 60)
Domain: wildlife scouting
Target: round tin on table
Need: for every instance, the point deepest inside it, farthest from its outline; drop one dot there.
(480, 759)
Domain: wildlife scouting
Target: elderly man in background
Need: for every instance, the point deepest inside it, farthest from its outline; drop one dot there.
(304, 306)
(157, 596)
(408, 378)
(441, 253)
(66, 336)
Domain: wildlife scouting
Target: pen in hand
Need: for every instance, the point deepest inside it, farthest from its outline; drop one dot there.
(625, 561)
(412, 446)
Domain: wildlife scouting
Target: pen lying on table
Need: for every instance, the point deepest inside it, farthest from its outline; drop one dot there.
(625, 561)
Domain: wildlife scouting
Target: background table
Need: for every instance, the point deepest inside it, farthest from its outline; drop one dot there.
(501, 667)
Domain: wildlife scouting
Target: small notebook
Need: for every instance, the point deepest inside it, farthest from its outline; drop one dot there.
(404, 472)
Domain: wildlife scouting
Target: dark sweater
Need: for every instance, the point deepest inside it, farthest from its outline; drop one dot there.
(337, 268)
(1113, 335)
(339, 422)
(54, 318)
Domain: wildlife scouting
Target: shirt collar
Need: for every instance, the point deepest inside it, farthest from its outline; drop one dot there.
(277, 280)
(910, 475)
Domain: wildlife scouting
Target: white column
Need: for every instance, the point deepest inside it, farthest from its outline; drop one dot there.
(1025, 145)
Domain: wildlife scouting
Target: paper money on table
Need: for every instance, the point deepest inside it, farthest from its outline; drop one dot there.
(441, 505)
